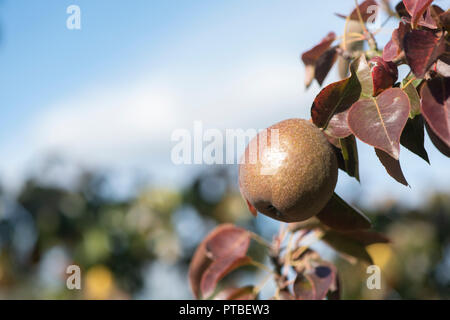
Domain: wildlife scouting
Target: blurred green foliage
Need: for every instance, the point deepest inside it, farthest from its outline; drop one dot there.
(45, 227)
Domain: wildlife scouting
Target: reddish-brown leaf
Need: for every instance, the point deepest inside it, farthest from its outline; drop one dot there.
(392, 166)
(438, 143)
(427, 20)
(346, 245)
(368, 9)
(303, 288)
(244, 293)
(314, 284)
(218, 269)
(366, 237)
(323, 277)
(324, 64)
(339, 215)
(413, 137)
(416, 9)
(380, 121)
(349, 151)
(313, 55)
(214, 247)
(394, 47)
(335, 98)
(338, 127)
(435, 105)
(384, 74)
(232, 241)
(422, 49)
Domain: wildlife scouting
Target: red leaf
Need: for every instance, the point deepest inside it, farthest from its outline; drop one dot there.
(339, 215)
(315, 283)
(394, 47)
(231, 241)
(213, 247)
(422, 49)
(380, 121)
(435, 105)
(335, 98)
(245, 293)
(413, 137)
(323, 277)
(392, 166)
(324, 64)
(218, 269)
(368, 9)
(416, 9)
(366, 237)
(338, 126)
(384, 74)
(313, 55)
(438, 143)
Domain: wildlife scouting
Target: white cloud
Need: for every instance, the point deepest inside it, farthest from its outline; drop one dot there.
(130, 125)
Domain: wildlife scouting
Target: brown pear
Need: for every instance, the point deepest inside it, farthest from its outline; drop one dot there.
(288, 171)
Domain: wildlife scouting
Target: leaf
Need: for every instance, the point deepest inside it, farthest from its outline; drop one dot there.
(364, 75)
(444, 20)
(380, 121)
(368, 9)
(392, 166)
(303, 288)
(413, 96)
(335, 98)
(347, 246)
(366, 237)
(416, 9)
(325, 63)
(311, 56)
(394, 47)
(443, 68)
(422, 49)
(353, 243)
(315, 282)
(384, 74)
(225, 240)
(438, 143)
(435, 105)
(413, 137)
(427, 20)
(339, 215)
(244, 293)
(350, 155)
(338, 127)
(218, 269)
(323, 277)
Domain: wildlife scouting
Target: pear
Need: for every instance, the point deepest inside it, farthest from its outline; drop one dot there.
(288, 171)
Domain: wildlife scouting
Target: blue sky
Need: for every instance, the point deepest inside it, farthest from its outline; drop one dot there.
(110, 94)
